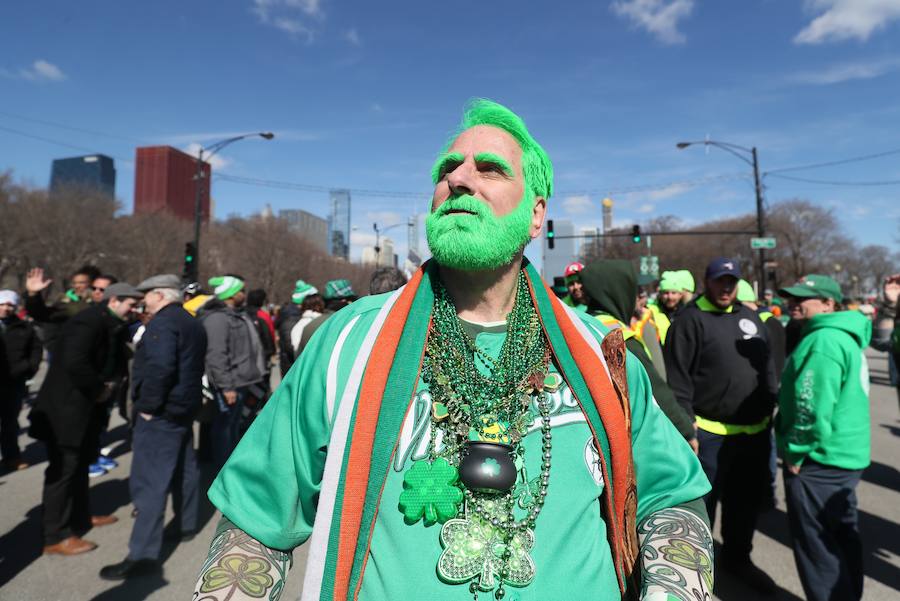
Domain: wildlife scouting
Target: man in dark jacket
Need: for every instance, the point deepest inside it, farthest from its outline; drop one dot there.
(611, 294)
(52, 317)
(719, 366)
(89, 365)
(168, 367)
(234, 364)
(20, 357)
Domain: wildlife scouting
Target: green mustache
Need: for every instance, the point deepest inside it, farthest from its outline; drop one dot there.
(467, 203)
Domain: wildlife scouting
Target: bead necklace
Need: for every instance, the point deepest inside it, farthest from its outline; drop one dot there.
(496, 409)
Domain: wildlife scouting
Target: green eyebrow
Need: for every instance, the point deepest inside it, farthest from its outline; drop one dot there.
(496, 159)
(442, 161)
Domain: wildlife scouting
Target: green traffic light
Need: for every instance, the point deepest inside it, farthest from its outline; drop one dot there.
(189, 258)
(550, 234)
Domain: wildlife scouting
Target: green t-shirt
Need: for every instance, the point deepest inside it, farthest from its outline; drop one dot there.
(269, 486)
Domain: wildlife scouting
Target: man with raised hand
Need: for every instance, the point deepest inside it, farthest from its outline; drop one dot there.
(468, 435)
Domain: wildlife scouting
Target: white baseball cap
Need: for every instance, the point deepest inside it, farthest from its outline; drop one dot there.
(9, 297)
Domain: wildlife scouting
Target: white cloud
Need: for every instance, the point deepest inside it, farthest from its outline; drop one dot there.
(847, 72)
(40, 70)
(667, 192)
(217, 161)
(577, 205)
(659, 17)
(840, 20)
(352, 36)
(646, 208)
(386, 218)
(290, 16)
(362, 238)
(293, 135)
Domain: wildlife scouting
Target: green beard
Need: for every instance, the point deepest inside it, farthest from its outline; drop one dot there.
(481, 241)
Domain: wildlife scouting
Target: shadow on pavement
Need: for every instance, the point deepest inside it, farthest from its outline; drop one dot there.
(20, 546)
(883, 475)
(893, 429)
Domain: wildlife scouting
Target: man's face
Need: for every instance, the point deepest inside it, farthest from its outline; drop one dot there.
(153, 301)
(98, 287)
(640, 302)
(576, 290)
(482, 212)
(722, 291)
(7, 309)
(670, 298)
(80, 284)
(802, 309)
(122, 306)
(239, 298)
(768, 296)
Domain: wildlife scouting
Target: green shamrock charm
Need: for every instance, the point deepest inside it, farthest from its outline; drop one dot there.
(430, 491)
(474, 549)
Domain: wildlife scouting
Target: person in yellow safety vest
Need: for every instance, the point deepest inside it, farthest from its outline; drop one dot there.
(576, 297)
(668, 301)
(194, 298)
(645, 328)
(611, 292)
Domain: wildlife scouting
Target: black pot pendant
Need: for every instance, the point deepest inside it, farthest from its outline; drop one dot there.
(487, 467)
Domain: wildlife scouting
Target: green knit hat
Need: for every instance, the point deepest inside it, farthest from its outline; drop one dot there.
(226, 286)
(745, 292)
(669, 281)
(336, 289)
(686, 279)
(302, 290)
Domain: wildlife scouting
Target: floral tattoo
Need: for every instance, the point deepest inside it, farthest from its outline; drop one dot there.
(676, 556)
(240, 567)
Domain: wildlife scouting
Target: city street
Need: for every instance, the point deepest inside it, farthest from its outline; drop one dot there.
(27, 576)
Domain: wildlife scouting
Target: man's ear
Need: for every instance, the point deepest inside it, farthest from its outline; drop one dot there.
(537, 216)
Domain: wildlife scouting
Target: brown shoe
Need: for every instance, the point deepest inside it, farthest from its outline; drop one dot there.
(103, 520)
(70, 546)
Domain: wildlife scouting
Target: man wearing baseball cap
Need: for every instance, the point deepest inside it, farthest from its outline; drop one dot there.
(576, 297)
(719, 366)
(822, 430)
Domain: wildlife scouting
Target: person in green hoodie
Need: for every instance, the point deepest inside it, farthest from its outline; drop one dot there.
(822, 431)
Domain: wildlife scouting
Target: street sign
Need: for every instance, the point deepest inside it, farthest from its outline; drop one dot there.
(762, 242)
(650, 265)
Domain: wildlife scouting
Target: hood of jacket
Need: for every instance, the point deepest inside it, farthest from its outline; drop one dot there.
(611, 286)
(853, 322)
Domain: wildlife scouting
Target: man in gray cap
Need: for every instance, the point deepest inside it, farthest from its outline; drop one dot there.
(166, 389)
(89, 364)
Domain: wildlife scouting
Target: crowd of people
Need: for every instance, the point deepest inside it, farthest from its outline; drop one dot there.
(602, 423)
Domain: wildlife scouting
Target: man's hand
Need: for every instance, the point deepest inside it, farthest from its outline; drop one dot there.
(794, 469)
(695, 445)
(35, 282)
(230, 397)
(145, 416)
(892, 288)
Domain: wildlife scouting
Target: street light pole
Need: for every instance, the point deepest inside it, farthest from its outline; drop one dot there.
(198, 190)
(753, 161)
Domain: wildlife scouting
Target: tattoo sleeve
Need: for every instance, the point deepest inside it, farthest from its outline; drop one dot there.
(676, 555)
(239, 568)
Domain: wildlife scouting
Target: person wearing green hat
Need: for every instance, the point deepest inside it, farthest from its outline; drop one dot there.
(338, 294)
(667, 303)
(823, 435)
(235, 363)
(312, 306)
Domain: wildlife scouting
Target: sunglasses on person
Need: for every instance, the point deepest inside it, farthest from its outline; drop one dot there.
(98, 289)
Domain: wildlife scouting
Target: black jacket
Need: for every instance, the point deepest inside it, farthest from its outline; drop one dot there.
(168, 365)
(20, 351)
(719, 364)
(90, 351)
(286, 321)
(611, 287)
(50, 318)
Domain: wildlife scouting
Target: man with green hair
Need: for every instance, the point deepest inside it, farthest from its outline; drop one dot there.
(468, 435)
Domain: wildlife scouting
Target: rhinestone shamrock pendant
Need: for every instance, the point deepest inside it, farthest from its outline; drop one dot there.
(430, 491)
(477, 551)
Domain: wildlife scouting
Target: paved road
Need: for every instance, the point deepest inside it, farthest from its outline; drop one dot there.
(25, 575)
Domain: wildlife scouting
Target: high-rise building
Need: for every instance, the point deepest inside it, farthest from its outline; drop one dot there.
(564, 249)
(94, 171)
(309, 226)
(339, 224)
(412, 234)
(164, 181)
(383, 257)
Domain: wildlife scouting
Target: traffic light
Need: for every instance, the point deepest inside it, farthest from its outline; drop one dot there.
(551, 237)
(190, 261)
(636, 234)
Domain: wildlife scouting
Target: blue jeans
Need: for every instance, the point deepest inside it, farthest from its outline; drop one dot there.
(228, 425)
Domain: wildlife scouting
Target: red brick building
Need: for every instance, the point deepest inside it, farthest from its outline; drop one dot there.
(164, 182)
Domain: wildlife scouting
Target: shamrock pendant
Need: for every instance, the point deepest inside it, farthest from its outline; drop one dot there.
(430, 491)
(475, 550)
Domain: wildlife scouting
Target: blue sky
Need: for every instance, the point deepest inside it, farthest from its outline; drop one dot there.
(362, 95)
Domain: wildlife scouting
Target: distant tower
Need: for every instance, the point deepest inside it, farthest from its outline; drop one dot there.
(413, 234)
(607, 219)
(94, 171)
(339, 224)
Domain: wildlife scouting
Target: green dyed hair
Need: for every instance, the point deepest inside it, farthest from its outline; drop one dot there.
(536, 166)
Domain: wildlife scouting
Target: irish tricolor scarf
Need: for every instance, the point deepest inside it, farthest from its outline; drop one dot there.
(379, 393)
